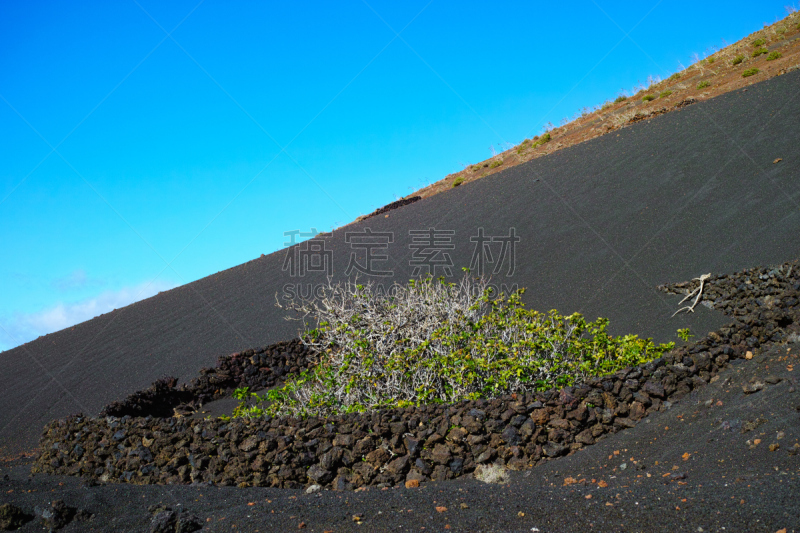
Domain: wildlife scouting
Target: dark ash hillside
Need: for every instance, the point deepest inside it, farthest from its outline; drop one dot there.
(431, 443)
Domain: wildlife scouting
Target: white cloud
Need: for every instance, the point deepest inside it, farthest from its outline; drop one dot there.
(21, 327)
(77, 280)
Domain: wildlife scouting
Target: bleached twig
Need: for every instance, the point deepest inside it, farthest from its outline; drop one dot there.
(699, 290)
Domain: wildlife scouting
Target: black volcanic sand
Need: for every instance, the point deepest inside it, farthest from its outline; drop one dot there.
(601, 225)
(693, 466)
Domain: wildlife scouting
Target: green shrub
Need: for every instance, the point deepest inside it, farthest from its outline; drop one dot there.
(749, 72)
(542, 140)
(476, 168)
(665, 94)
(437, 342)
(620, 98)
(781, 30)
(759, 42)
(675, 76)
(774, 55)
(760, 51)
(496, 163)
(710, 60)
(703, 84)
(648, 97)
(523, 146)
(458, 181)
(738, 59)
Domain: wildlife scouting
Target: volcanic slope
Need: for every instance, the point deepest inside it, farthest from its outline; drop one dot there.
(719, 459)
(600, 224)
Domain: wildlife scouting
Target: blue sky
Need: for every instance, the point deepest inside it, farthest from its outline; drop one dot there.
(147, 145)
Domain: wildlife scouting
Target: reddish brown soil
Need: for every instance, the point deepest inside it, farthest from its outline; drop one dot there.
(717, 70)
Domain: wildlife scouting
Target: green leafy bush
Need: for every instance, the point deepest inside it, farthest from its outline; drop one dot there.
(738, 59)
(620, 98)
(458, 181)
(759, 42)
(542, 140)
(648, 97)
(703, 84)
(438, 342)
(760, 51)
(710, 60)
(496, 163)
(774, 55)
(749, 72)
(665, 94)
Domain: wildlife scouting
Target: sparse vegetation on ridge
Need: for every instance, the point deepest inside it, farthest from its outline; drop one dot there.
(438, 342)
(749, 72)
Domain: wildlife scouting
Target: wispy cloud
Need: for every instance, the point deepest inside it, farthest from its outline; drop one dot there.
(20, 328)
(77, 280)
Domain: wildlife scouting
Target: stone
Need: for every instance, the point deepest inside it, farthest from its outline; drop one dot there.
(553, 449)
(491, 473)
(585, 437)
(57, 515)
(378, 457)
(485, 456)
(313, 489)
(510, 436)
(12, 517)
(345, 441)
(441, 454)
(750, 388)
(399, 465)
(654, 389)
(637, 411)
(412, 484)
(540, 416)
(319, 475)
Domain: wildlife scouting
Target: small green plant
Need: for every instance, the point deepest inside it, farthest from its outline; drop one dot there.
(781, 30)
(760, 51)
(675, 76)
(710, 60)
(738, 59)
(523, 146)
(774, 55)
(496, 163)
(703, 84)
(648, 97)
(458, 181)
(759, 42)
(665, 94)
(620, 98)
(542, 140)
(749, 72)
(590, 405)
(244, 410)
(685, 334)
(476, 168)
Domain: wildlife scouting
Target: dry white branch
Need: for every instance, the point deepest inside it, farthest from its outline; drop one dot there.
(699, 291)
